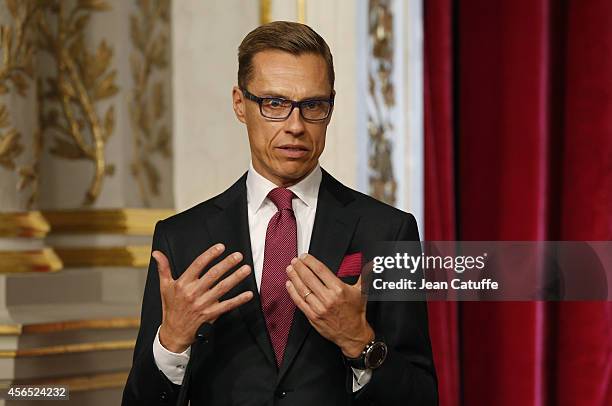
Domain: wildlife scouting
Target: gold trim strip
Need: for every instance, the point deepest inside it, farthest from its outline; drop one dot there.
(28, 224)
(265, 11)
(94, 324)
(78, 383)
(11, 329)
(301, 11)
(69, 349)
(106, 221)
(136, 256)
(43, 260)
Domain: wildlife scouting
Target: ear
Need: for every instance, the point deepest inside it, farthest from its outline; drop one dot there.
(238, 102)
(333, 95)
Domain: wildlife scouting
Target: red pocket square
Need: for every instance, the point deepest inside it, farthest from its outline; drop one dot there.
(351, 265)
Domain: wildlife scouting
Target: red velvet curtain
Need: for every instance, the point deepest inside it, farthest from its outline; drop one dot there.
(519, 131)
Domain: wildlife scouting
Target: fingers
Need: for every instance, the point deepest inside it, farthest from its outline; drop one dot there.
(315, 299)
(299, 270)
(217, 309)
(319, 269)
(228, 283)
(217, 271)
(163, 267)
(202, 261)
(300, 302)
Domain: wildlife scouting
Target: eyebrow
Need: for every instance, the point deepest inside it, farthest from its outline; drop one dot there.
(282, 96)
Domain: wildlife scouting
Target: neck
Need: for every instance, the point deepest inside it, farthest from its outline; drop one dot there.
(279, 181)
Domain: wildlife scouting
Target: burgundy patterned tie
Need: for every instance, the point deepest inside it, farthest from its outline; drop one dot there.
(280, 249)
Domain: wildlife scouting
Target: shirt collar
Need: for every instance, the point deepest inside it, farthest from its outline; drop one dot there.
(258, 187)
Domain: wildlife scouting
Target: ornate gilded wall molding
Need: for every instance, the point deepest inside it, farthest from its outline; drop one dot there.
(133, 222)
(134, 256)
(116, 323)
(382, 181)
(29, 224)
(41, 260)
(150, 35)
(83, 78)
(106, 221)
(16, 77)
(69, 349)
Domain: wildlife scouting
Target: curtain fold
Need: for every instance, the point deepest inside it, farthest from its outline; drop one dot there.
(503, 119)
(439, 184)
(584, 330)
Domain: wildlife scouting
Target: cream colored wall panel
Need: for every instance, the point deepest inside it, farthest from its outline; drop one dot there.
(336, 22)
(210, 145)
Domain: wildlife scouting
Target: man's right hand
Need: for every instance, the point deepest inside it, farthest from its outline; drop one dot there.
(190, 301)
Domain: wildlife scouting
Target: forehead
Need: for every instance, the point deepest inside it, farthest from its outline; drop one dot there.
(294, 76)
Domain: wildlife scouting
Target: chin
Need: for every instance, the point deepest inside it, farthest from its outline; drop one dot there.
(294, 170)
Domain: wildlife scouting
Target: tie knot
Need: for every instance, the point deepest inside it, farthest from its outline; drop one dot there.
(281, 197)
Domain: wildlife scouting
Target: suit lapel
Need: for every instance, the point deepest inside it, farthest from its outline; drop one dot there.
(231, 226)
(331, 235)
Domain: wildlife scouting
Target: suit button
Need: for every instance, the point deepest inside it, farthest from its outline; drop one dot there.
(281, 394)
(163, 397)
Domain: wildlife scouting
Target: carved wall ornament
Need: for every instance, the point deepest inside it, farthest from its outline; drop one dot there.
(150, 35)
(382, 182)
(83, 79)
(17, 44)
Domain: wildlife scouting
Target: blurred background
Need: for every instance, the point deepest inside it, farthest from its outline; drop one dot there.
(487, 119)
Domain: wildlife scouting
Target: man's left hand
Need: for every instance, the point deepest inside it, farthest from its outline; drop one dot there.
(335, 309)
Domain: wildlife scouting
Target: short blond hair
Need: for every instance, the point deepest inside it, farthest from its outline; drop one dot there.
(294, 38)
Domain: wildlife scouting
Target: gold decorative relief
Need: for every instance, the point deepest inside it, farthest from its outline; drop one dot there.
(383, 184)
(150, 34)
(83, 80)
(16, 75)
(29, 173)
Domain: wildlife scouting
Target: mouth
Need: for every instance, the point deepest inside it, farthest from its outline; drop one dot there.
(293, 151)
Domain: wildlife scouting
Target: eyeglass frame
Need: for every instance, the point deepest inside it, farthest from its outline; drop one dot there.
(294, 104)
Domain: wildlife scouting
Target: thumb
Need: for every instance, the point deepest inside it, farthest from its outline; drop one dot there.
(361, 286)
(163, 267)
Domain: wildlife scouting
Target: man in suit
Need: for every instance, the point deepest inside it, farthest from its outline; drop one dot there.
(253, 297)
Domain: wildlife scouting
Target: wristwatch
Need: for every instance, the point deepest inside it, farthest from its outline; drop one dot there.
(372, 356)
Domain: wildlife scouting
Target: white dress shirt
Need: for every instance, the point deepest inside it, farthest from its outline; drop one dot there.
(260, 211)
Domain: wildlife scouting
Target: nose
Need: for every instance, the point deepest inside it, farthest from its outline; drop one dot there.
(295, 123)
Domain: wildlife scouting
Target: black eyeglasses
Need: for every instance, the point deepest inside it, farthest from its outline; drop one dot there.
(279, 109)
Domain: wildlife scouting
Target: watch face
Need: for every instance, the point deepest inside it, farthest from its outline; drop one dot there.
(376, 355)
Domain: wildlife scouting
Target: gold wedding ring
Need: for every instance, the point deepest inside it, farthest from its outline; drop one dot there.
(306, 295)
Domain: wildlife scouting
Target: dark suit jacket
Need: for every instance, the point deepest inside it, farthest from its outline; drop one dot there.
(234, 364)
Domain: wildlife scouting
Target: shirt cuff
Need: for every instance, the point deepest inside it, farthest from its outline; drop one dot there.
(170, 363)
(360, 378)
